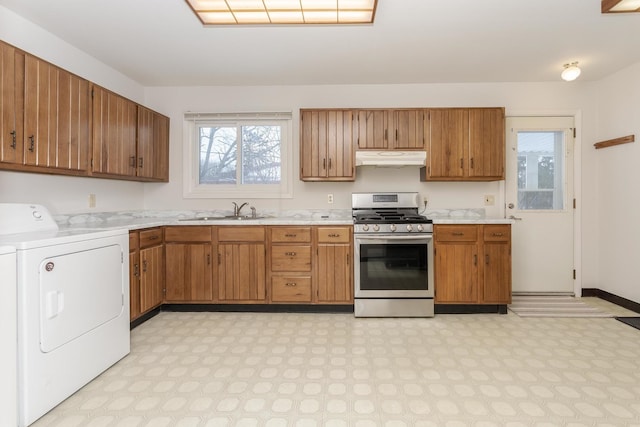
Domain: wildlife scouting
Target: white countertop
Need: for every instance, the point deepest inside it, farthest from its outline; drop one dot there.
(135, 220)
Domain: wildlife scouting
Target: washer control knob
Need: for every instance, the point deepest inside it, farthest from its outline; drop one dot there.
(392, 227)
(365, 227)
(37, 215)
(409, 227)
(376, 227)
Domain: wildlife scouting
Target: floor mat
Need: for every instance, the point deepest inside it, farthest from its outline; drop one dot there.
(631, 321)
(553, 306)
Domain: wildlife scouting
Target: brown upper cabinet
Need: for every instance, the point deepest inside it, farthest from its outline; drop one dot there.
(52, 121)
(400, 129)
(11, 104)
(44, 116)
(326, 145)
(129, 140)
(466, 144)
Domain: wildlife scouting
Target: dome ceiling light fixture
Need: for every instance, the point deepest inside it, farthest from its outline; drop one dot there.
(620, 6)
(571, 72)
(283, 12)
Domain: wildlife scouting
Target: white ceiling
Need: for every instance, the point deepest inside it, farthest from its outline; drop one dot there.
(162, 43)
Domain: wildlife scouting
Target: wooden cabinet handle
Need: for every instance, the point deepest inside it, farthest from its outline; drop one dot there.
(219, 259)
(132, 161)
(486, 259)
(461, 163)
(324, 163)
(136, 270)
(13, 139)
(329, 163)
(471, 162)
(333, 235)
(385, 134)
(31, 143)
(475, 259)
(291, 284)
(140, 159)
(144, 266)
(208, 259)
(457, 233)
(153, 237)
(290, 235)
(497, 234)
(290, 253)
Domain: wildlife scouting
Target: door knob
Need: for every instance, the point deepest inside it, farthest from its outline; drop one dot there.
(510, 206)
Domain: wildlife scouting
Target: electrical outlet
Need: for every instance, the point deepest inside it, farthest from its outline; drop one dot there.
(489, 200)
(92, 200)
(330, 198)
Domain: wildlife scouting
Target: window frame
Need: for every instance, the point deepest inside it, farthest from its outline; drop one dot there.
(192, 189)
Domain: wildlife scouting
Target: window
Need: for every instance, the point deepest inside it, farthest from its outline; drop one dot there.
(540, 177)
(238, 155)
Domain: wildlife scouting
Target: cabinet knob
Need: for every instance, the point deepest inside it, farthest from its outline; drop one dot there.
(291, 284)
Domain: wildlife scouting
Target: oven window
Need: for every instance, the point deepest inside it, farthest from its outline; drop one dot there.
(397, 267)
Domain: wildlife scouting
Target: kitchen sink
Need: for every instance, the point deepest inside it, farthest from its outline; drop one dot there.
(221, 218)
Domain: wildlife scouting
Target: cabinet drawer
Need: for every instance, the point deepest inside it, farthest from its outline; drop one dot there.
(187, 234)
(134, 241)
(456, 233)
(334, 234)
(241, 234)
(150, 237)
(290, 289)
(497, 233)
(291, 235)
(291, 258)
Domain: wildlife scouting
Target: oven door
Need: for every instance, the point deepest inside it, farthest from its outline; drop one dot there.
(393, 266)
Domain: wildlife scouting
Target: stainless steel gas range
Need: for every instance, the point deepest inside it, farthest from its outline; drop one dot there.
(393, 247)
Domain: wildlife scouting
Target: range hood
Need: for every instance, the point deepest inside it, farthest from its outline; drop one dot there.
(390, 158)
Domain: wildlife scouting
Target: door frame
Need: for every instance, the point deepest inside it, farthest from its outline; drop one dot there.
(577, 183)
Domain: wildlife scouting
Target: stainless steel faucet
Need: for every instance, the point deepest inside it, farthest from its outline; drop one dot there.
(237, 209)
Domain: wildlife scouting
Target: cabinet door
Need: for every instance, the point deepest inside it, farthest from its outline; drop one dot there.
(486, 143)
(497, 273)
(241, 272)
(151, 277)
(153, 145)
(114, 134)
(373, 129)
(449, 143)
(456, 272)
(11, 104)
(409, 131)
(134, 284)
(189, 273)
(56, 117)
(334, 274)
(326, 145)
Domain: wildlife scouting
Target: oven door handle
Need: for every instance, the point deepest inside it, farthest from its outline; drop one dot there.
(395, 237)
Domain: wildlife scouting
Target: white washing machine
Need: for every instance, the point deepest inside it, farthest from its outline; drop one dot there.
(8, 338)
(72, 305)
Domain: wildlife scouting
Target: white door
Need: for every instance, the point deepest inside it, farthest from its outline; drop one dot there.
(539, 196)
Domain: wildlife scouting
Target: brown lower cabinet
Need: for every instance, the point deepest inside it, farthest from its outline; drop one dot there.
(240, 265)
(189, 264)
(472, 264)
(146, 255)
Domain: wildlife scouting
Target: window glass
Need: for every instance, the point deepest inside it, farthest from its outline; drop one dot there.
(238, 155)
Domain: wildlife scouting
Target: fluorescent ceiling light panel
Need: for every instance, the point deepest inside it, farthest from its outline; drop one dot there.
(269, 12)
(620, 6)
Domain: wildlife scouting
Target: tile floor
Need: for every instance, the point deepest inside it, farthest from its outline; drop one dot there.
(259, 369)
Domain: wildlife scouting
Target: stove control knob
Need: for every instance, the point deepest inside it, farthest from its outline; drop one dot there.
(365, 227)
(409, 227)
(420, 227)
(392, 227)
(376, 227)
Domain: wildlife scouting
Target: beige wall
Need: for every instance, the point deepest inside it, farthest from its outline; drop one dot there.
(618, 184)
